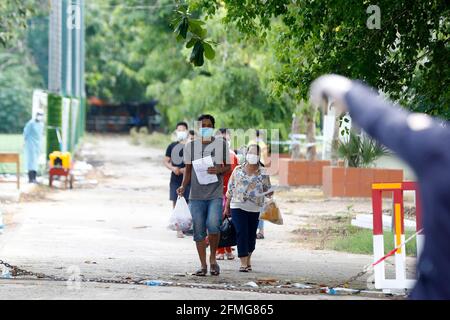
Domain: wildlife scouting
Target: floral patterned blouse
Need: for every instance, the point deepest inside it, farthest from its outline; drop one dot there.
(243, 187)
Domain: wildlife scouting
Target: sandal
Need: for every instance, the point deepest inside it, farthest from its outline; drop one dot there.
(259, 236)
(214, 270)
(243, 269)
(249, 268)
(220, 256)
(230, 256)
(201, 272)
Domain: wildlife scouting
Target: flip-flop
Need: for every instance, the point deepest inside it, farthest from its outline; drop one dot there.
(214, 270)
(201, 272)
(243, 269)
(249, 268)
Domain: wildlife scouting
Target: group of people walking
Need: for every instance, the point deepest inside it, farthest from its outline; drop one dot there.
(237, 189)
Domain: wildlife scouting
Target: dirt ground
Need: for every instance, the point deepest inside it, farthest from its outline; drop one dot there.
(113, 225)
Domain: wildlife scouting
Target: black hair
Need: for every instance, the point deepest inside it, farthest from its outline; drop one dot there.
(258, 152)
(209, 117)
(223, 130)
(257, 132)
(182, 123)
(192, 132)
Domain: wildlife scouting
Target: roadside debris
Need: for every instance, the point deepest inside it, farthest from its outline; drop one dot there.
(301, 286)
(157, 283)
(5, 273)
(251, 284)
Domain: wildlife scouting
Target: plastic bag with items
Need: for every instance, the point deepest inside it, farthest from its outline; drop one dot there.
(181, 218)
(271, 212)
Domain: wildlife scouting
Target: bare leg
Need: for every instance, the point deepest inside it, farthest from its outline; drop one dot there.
(244, 261)
(201, 250)
(213, 243)
(249, 262)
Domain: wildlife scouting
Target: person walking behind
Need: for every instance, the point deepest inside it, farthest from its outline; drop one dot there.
(259, 140)
(205, 199)
(191, 136)
(32, 134)
(245, 199)
(223, 132)
(175, 163)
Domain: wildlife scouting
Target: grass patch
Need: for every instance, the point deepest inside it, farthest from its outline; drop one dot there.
(359, 240)
(154, 139)
(11, 143)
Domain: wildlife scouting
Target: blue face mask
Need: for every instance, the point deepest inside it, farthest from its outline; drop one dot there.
(206, 132)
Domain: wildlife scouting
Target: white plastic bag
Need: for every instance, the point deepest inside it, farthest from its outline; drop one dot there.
(181, 218)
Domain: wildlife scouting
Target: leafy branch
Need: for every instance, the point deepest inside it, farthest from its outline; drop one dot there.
(193, 33)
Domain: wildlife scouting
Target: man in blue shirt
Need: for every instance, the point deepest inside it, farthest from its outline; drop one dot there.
(424, 143)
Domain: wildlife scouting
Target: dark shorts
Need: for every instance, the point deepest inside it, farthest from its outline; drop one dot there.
(173, 191)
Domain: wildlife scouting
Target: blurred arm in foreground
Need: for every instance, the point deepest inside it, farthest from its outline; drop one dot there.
(421, 141)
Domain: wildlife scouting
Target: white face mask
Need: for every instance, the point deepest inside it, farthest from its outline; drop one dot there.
(181, 135)
(252, 158)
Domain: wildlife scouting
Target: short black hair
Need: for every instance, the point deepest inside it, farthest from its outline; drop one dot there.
(192, 132)
(182, 123)
(257, 132)
(223, 130)
(209, 117)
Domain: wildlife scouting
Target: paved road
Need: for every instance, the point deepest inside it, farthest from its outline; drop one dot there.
(117, 229)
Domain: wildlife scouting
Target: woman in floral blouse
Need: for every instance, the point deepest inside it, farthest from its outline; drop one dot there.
(245, 198)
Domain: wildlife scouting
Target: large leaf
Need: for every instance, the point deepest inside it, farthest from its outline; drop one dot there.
(197, 54)
(209, 51)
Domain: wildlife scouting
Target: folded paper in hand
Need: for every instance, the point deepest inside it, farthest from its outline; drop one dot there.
(201, 170)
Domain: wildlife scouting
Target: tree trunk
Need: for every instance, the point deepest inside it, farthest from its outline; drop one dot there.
(335, 143)
(295, 129)
(311, 136)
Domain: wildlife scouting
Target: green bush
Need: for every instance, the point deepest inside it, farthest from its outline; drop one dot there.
(360, 151)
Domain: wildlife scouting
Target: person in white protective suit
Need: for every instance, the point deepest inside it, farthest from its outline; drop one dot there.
(33, 134)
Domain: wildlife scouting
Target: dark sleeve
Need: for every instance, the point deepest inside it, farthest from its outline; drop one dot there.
(169, 150)
(389, 125)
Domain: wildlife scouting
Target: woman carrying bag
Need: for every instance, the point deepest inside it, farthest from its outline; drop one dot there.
(245, 198)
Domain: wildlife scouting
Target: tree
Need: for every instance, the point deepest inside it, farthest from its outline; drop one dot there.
(133, 55)
(408, 58)
(19, 73)
(13, 15)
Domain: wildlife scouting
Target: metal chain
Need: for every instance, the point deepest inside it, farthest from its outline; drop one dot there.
(16, 271)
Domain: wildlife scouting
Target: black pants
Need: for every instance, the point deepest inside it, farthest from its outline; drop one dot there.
(246, 224)
(32, 176)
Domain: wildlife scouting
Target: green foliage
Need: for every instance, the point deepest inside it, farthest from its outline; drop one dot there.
(19, 73)
(360, 151)
(16, 91)
(13, 16)
(193, 33)
(408, 58)
(132, 56)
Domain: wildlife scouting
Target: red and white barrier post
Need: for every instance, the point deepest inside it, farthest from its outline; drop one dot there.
(400, 281)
